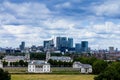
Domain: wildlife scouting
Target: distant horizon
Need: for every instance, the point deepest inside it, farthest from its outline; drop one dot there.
(97, 22)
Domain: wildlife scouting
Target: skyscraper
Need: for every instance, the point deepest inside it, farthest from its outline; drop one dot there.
(48, 44)
(70, 43)
(84, 46)
(61, 43)
(22, 46)
(58, 42)
(77, 47)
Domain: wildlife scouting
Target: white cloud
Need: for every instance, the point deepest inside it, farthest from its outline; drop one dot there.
(24, 13)
(64, 5)
(108, 8)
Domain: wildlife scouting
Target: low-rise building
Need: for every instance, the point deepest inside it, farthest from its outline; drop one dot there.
(13, 58)
(38, 66)
(61, 58)
(84, 68)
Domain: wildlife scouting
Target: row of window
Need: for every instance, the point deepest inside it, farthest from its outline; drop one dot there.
(45, 70)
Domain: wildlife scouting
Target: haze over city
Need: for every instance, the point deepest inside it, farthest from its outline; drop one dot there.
(34, 21)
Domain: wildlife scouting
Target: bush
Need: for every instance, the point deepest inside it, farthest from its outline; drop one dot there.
(4, 75)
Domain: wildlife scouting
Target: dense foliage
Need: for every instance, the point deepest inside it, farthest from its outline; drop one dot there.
(112, 72)
(21, 63)
(37, 56)
(99, 66)
(55, 63)
(4, 75)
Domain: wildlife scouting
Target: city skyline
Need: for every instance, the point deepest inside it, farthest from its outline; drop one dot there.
(35, 21)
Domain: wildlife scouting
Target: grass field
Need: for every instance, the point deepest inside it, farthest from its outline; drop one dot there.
(56, 70)
(57, 74)
(50, 77)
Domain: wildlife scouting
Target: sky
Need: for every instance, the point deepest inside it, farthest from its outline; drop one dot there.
(33, 21)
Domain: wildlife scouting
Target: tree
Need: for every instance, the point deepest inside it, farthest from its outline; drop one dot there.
(38, 56)
(16, 64)
(21, 63)
(99, 66)
(110, 73)
(5, 63)
(86, 60)
(4, 75)
(25, 64)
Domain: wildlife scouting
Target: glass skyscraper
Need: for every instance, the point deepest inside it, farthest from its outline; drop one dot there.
(70, 42)
(62, 43)
(22, 46)
(77, 47)
(84, 46)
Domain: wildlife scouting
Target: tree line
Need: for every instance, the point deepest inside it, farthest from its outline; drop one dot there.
(20, 63)
(55, 63)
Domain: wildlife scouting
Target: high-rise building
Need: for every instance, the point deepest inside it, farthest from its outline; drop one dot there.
(84, 46)
(77, 47)
(22, 46)
(61, 43)
(58, 42)
(111, 49)
(48, 44)
(70, 43)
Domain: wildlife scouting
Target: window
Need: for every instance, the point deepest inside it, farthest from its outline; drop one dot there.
(48, 66)
(29, 69)
(44, 66)
(44, 69)
(29, 66)
(48, 70)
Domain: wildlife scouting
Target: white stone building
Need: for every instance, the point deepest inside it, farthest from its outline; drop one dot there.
(1, 64)
(38, 66)
(84, 68)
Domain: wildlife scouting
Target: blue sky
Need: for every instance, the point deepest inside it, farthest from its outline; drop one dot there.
(32, 21)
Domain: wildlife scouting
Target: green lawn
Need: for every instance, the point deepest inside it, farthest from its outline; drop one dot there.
(50, 77)
(57, 70)
(58, 74)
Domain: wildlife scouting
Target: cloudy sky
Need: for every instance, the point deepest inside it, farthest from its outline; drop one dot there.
(32, 21)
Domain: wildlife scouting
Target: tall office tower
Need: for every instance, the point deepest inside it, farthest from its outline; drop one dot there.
(58, 42)
(84, 46)
(22, 46)
(77, 47)
(61, 43)
(70, 43)
(48, 44)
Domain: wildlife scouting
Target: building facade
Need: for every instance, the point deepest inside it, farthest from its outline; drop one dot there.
(38, 66)
(83, 68)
